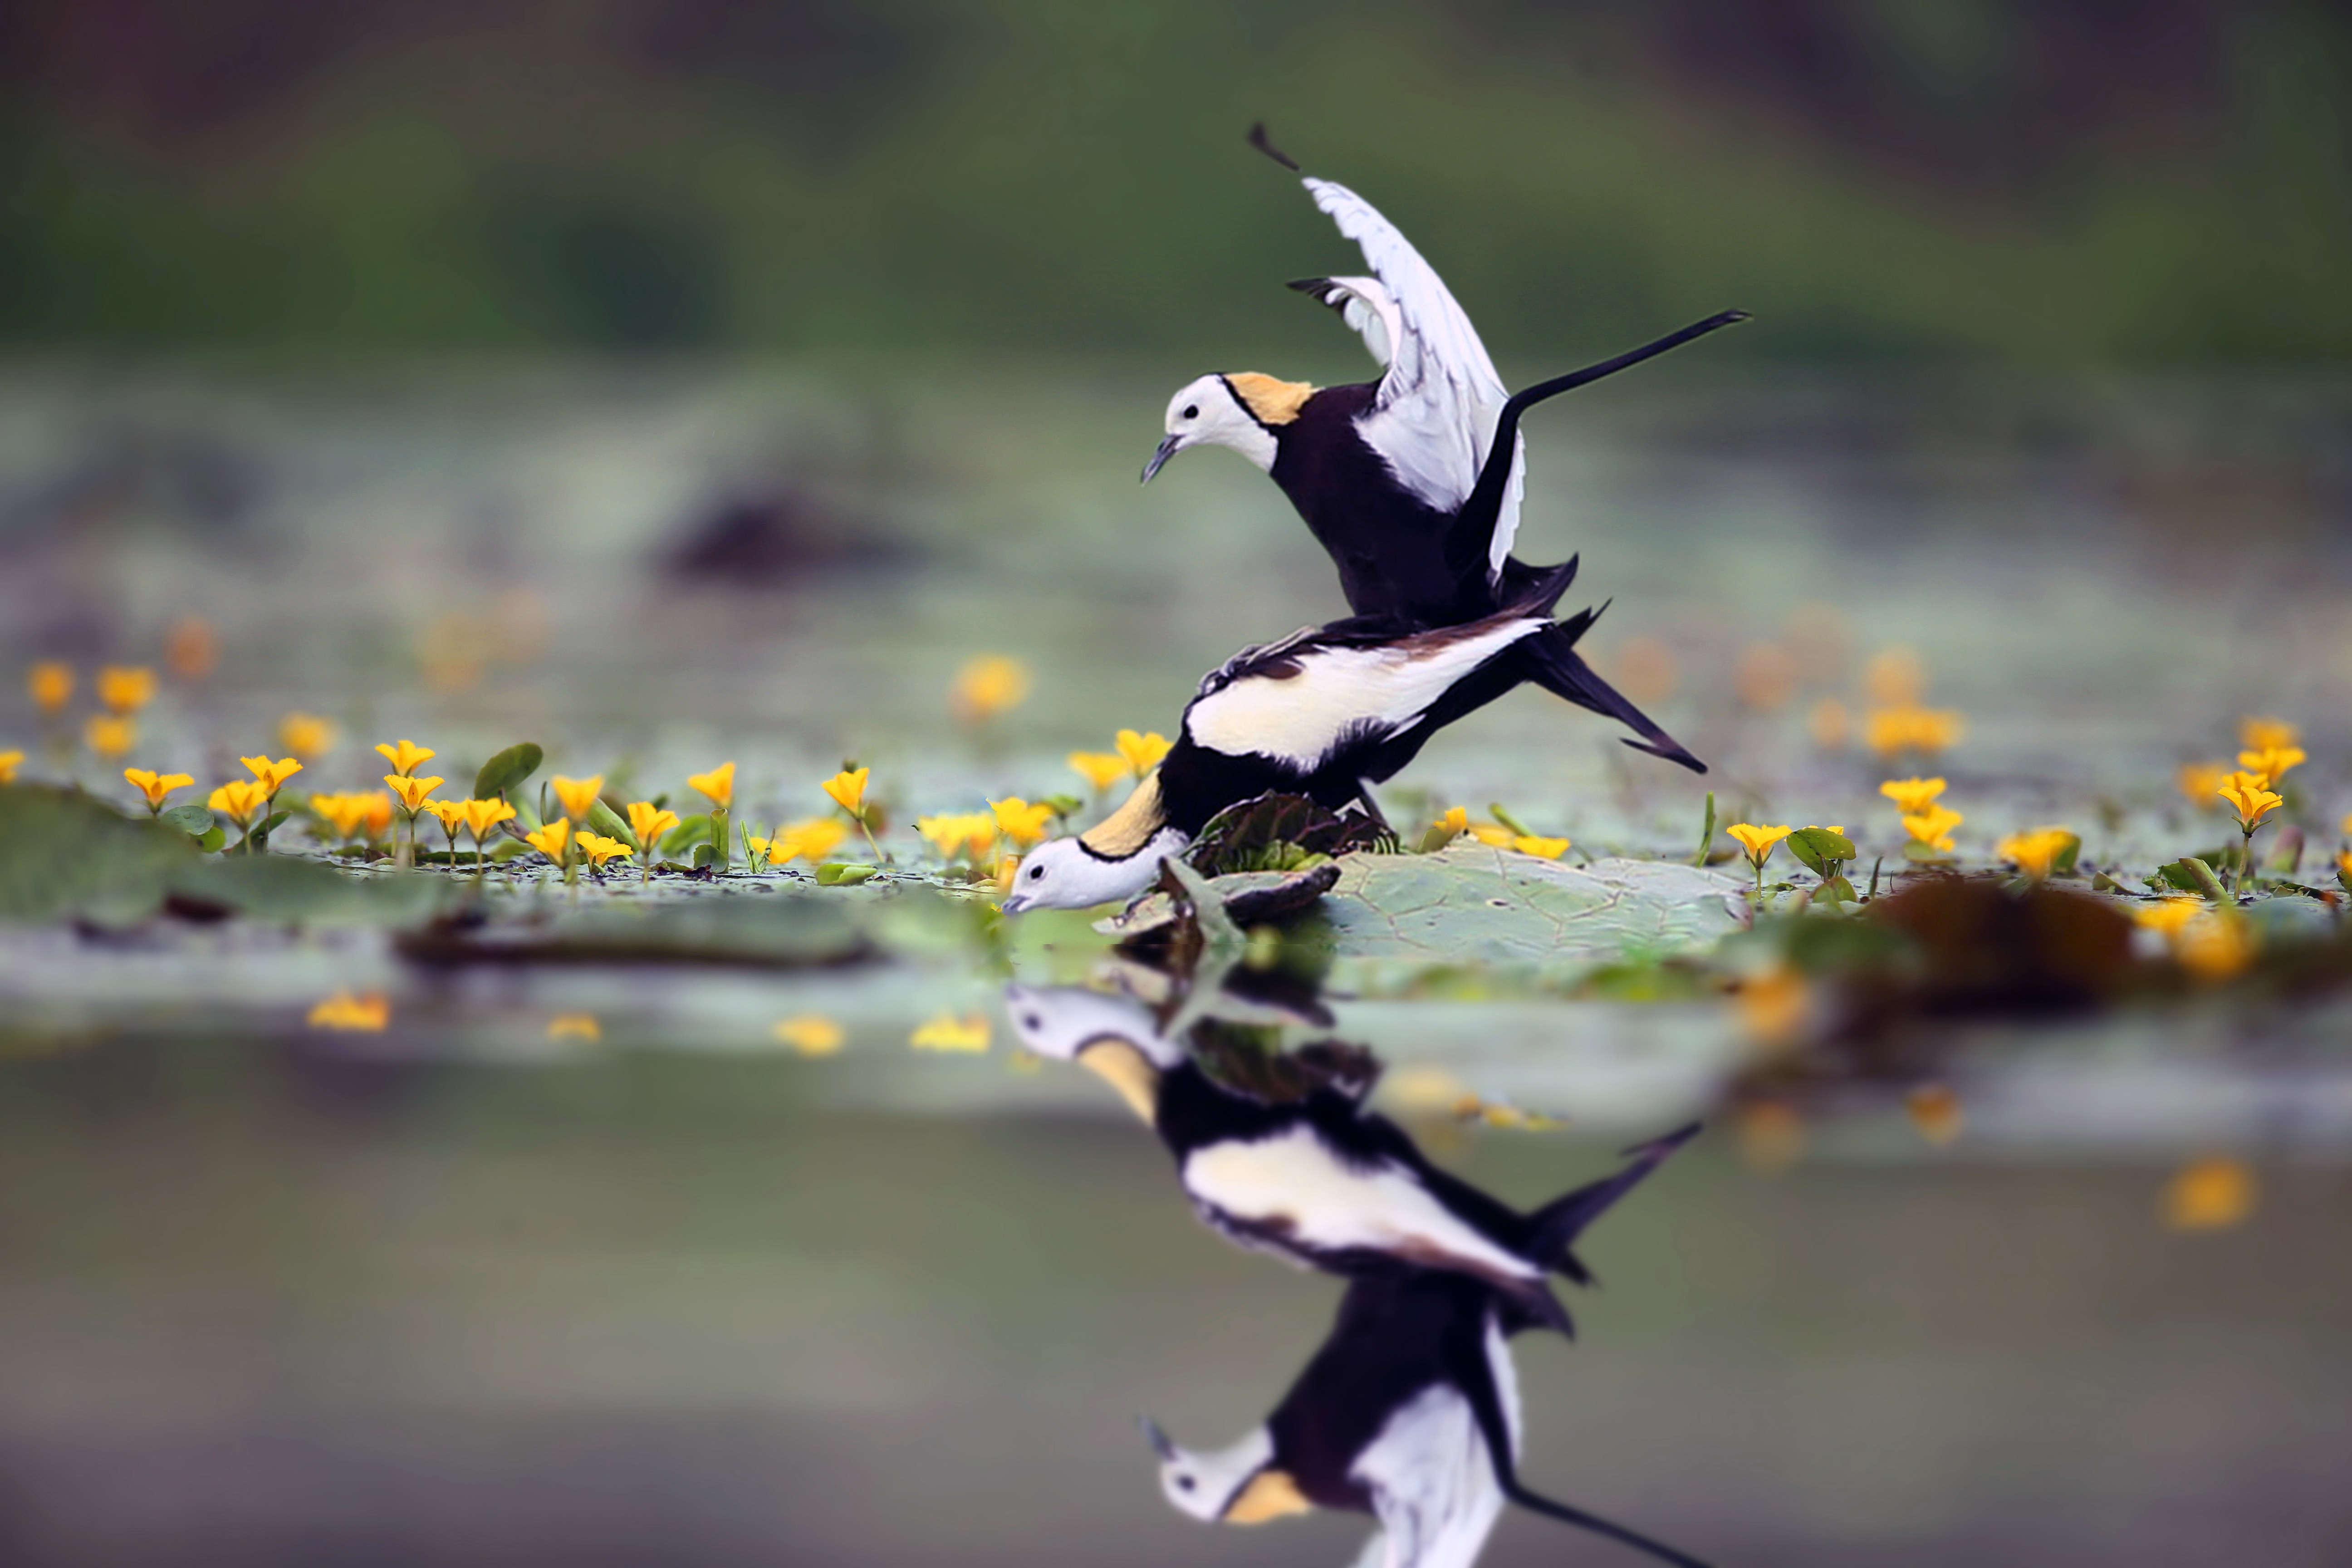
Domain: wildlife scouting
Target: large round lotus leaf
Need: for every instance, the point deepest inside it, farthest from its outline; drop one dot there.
(1473, 904)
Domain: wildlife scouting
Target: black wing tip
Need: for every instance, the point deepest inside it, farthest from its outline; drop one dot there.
(1259, 139)
(1660, 1147)
(1672, 753)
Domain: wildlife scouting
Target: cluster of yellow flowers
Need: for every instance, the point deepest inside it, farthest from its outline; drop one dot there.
(123, 690)
(1926, 819)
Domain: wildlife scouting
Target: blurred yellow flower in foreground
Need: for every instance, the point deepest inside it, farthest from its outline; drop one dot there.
(650, 823)
(1540, 847)
(9, 762)
(125, 688)
(2200, 782)
(411, 790)
(719, 784)
(2250, 799)
(847, 790)
(970, 834)
(554, 840)
(272, 776)
(599, 848)
(1933, 827)
(987, 686)
(153, 785)
(2036, 852)
(239, 799)
(2259, 734)
(1021, 822)
(2272, 763)
(403, 756)
(1935, 1110)
(1771, 1135)
(306, 735)
(192, 648)
(574, 1026)
(109, 736)
(2168, 915)
(811, 839)
(1142, 753)
(1772, 1005)
(1493, 832)
(367, 1015)
(1912, 795)
(811, 1033)
(50, 685)
(2216, 946)
(2212, 1193)
(578, 795)
(1099, 769)
(946, 1032)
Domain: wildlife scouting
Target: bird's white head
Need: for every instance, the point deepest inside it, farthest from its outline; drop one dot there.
(1211, 412)
(1222, 1483)
(1064, 874)
(1061, 1021)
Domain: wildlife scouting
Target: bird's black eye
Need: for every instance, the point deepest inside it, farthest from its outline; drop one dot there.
(1184, 1483)
(1036, 872)
(1191, 411)
(1031, 1021)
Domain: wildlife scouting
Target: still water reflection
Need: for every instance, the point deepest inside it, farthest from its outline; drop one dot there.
(1409, 1409)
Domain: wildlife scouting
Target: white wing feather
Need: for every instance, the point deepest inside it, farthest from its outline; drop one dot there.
(1432, 1484)
(1434, 415)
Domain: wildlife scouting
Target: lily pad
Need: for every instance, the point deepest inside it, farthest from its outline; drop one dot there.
(282, 887)
(63, 854)
(803, 932)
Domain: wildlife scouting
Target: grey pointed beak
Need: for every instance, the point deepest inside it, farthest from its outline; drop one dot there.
(1168, 449)
(1012, 905)
(1161, 1444)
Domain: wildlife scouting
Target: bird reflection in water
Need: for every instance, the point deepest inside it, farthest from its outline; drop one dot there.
(1410, 1410)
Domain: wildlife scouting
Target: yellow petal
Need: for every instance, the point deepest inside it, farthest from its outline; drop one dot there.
(719, 784)
(578, 795)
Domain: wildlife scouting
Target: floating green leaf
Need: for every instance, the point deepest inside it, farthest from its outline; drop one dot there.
(834, 874)
(63, 854)
(507, 769)
(1822, 849)
(195, 821)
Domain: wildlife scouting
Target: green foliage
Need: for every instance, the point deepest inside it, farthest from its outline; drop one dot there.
(835, 874)
(1705, 833)
(2193, 876)
(63, 854)
(507, 770)
(195, 821)
(1821, 851)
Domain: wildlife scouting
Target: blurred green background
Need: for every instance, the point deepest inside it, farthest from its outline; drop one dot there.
(2070, 182)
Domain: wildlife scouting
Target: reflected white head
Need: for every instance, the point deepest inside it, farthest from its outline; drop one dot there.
(1060, 1021)
(1063, 874)
(1206, 1484)
(1206, 413)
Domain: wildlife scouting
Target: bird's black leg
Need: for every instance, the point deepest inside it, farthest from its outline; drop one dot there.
(1372, 808)
(1486, 1406)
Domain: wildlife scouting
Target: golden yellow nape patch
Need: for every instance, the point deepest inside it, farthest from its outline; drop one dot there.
(1120, 1064)
(1270, 1494)
(1269, 401)
(1130, 828)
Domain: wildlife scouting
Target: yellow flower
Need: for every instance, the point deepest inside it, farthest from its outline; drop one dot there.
(481, 816)
(306, 735)
(650, 824)
(353, 815)
(1541, 848)
(811, 1033)
(366, 1015)
(2215, 946)
(109, 736)
(1935, 1110)
(1771, 1135)
(2212, 1193)
(1912, 795)
(272, 775)
(575, 1026)
(240, 798)
(2249, 799)
(2343, 859)
(945, 1032)
(577, 795)
(847, 790)
(378, 807)
(2200, 782)
(404, 756)
(2271, 762)
(987, 686)
(811, 840)
(1493, 832)
(1142, 753)
(449, 814)
(1829, 724)
(51, 685)
(2262, 734)
(2034, 853)
(2168, 915)
(192, 648)
(1893, 678)
(1910, 729)
(1933, 827)
(600, 848)
(154, 787)
(1099, 769)
(125, 688)
(411, 790)
(1773, 1004)
(1757, 842)
(1454, 819)
(719, 783)
(1021, 822)
(9, 762)
(552, 840)
(971, 834)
